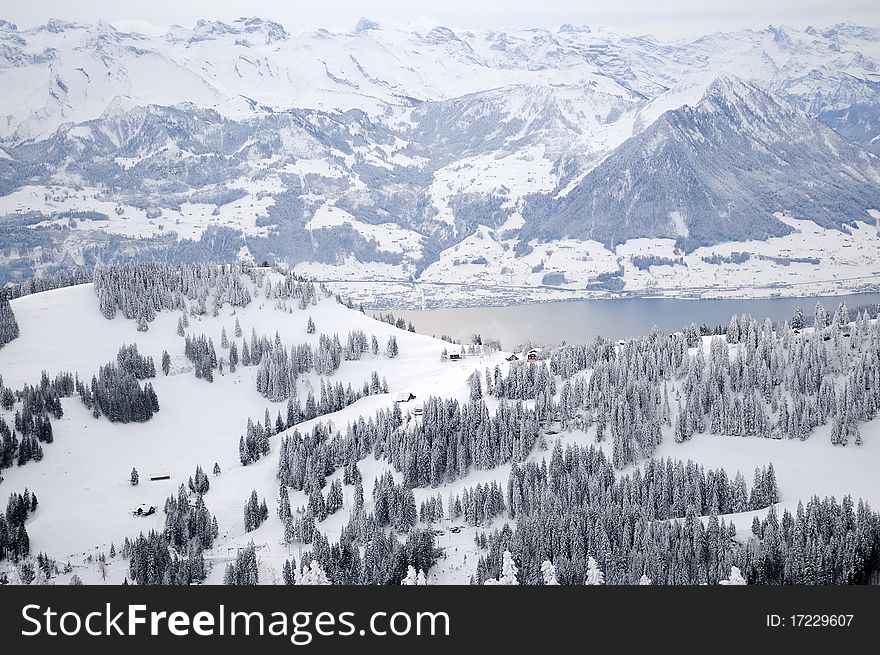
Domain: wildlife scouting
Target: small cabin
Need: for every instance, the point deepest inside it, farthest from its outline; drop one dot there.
(160, 476)
(455, 357)
(533, 355)
(404, 397)
(144, 509)
(512, 358)
(419, 411)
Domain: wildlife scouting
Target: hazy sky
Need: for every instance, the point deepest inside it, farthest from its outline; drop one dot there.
(667, 18)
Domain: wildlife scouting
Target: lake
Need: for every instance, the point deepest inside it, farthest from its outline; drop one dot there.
(582, 320)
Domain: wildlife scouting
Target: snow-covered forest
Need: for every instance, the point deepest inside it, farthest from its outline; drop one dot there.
(233, 424)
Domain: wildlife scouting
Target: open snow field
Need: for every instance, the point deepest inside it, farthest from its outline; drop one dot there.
(82, 481)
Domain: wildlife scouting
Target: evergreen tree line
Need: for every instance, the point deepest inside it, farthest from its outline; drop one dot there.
(453, 438)
(278, 369)
(200, 351)
(785, 385)
(152, 561)
(245, 569)
(8, 324)
(639, 524)
(199, 483)
(825, 542)
(118, 395)
(385, 560)
(14, 540)
(132, 363)
(524, 381)
(476, 505)
(448, 441)
(255, 513)
(394, 504)
(48, 283)
(295, 287)
(320, 507)
(255, 443)
(431, 510)
(115, 392)
(398, 322)
(175, 555)
(756, 381)
(663, 488)
(299, 526)
(189, 526)
(142, 290)
(21, 452)
(33, 419)
(628, 391)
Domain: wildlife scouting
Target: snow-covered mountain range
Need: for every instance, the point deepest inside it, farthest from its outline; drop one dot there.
(422, 153)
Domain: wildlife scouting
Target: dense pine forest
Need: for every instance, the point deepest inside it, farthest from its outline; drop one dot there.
(552, 463)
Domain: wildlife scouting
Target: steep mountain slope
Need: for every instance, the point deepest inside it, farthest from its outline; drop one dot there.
(717, 172)
(63, 71)
(858, 123)
(391, 151)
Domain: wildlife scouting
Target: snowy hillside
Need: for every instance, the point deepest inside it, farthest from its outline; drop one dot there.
(383, 153)
(709, 172)
(251, 360)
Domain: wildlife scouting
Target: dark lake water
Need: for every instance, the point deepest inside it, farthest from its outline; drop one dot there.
(582, 320)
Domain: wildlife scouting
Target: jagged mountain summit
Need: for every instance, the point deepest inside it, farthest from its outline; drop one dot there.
(717, 171)
(423, 153)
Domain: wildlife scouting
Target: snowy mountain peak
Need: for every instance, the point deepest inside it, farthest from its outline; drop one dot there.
(849, 30)
(739, 152)
(59, 26)
(265, 32)
(365, 25)
(574, 29)
(440, 34)
(728, 88)
(431, 132)
(271, 30)
(120, 105)
(781, 35)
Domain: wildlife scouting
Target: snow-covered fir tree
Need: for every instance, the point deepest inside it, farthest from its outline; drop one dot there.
(595, 576)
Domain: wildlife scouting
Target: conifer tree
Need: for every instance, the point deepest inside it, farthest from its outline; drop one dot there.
(548, 572)
(595, 576)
